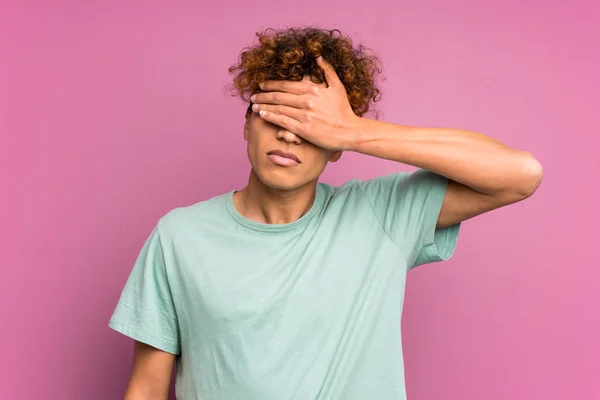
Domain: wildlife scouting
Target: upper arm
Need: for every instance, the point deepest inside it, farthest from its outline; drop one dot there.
(146, 309)
(151, 373)
(461, 203)
(146, 312)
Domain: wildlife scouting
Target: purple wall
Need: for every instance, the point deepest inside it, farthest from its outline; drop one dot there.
(112, 113)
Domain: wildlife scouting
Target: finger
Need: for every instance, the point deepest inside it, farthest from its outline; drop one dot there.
(293, 87)
(286, 111)
(330, 75)
(286, 99)
(287, 123)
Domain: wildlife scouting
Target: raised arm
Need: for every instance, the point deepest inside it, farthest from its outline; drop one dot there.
(484, 174)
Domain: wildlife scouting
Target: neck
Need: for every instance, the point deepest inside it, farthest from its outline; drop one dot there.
(266, 205)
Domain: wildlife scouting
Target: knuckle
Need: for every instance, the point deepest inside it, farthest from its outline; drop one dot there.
(310, 104)
(276, 98)
(314, 90)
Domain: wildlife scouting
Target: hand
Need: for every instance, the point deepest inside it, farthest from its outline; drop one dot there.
(320, 115)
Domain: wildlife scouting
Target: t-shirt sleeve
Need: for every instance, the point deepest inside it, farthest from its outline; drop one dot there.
(145, 311)
(408, 206)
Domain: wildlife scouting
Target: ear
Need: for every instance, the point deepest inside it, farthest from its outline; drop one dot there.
(247, 126)
(335, 156)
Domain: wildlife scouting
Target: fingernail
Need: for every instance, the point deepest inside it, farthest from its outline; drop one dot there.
(261, 85)
(262, 113)
(254, 107)
(253, 98)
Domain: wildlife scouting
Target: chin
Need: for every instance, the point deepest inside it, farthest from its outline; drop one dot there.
(282, 181)
(281, 184)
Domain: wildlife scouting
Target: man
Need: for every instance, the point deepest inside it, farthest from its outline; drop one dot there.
(290, 288)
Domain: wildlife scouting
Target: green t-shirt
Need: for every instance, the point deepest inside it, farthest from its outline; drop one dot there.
(305, 310)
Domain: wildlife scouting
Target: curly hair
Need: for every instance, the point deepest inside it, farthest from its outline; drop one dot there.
(290, 54)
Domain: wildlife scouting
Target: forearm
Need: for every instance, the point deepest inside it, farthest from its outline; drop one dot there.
(470, 158)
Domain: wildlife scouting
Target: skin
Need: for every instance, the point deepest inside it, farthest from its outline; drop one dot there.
(317, 124)
(151, 373)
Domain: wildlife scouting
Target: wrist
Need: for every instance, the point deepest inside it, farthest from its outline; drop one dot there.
(360, 132)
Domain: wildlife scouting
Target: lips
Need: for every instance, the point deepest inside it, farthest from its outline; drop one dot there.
(283, 154)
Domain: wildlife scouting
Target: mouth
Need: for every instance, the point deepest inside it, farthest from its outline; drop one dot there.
(284, 159)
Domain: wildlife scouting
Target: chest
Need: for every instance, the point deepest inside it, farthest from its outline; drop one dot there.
(228, 283)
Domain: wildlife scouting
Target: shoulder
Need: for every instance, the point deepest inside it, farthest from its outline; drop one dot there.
(361, 188)
(395, 192)
(201, 215)
(353, 193)
(345, 191)
(402, 183)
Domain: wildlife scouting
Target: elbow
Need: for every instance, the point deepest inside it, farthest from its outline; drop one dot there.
(530, 176)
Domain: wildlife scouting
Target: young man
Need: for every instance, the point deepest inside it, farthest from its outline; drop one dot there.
(290, 288)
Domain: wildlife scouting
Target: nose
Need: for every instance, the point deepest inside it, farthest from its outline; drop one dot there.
(288, 136)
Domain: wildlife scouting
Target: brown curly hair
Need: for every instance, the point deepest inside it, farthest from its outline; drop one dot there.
(290, 54)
